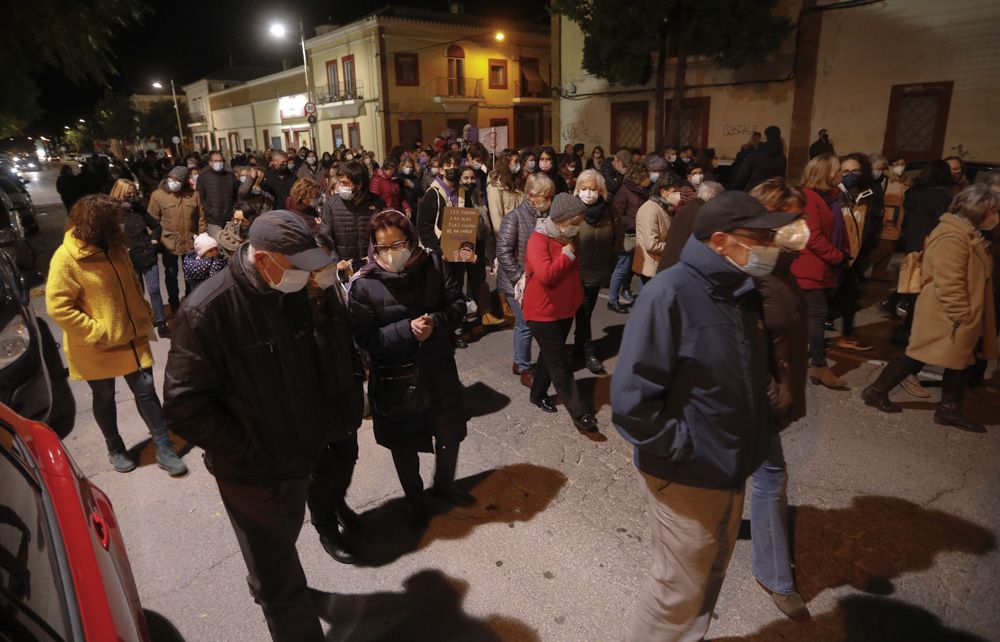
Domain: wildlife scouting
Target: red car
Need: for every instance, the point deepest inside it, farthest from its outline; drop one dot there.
(64, 572)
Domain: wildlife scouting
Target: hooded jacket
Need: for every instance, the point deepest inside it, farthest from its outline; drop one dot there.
(180, 215)
(386, 189)
(94, 296)
(689, 425)
(764, 162)
(243, 377)
(553, 289)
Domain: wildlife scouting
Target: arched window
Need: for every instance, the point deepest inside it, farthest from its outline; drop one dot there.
(456, 71)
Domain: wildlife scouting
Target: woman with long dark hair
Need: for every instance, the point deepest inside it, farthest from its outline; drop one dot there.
(93, 294)
(404, 309)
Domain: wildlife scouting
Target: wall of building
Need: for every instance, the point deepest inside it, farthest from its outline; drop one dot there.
(864, 51)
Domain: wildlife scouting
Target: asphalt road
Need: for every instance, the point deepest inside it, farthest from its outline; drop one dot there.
(894, 521)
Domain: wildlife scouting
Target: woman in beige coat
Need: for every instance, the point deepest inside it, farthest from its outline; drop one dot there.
(177, 207)
(652, 222)
(953, 318)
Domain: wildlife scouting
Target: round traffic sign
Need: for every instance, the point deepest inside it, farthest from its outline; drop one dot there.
(310, 108)
(175, 140)
(311, 119)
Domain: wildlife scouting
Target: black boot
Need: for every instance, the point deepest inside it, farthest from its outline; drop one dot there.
(347, 518)
(877, 394)
(119, 457)
(407, 464)
(591, 361)
(949, 411)
(445, 463)
(335, 545)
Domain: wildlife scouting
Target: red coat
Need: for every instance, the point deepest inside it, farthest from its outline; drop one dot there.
(553, 289)
(814, 268)
(386, 189)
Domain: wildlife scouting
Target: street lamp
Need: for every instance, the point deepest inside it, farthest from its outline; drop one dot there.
(177, 111)
(278, 31)
(81, 120)
(500, 36)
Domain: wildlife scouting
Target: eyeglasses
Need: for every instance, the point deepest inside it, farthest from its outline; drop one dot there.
(398, 245)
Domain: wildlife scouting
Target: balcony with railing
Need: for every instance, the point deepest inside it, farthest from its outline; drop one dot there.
(339, 92)
(463, 90)
(197, 118)
(532, 92)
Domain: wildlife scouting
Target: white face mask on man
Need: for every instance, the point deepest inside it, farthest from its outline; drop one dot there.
(292, 279)
(761, 259)
(217, 165)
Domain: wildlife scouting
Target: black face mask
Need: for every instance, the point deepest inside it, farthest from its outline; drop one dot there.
(451, 174)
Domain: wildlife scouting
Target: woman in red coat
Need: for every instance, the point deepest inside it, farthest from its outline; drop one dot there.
(817, 267)
(553, 292)
(385, 187)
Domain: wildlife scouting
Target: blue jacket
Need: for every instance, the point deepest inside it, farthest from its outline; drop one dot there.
(689, 390)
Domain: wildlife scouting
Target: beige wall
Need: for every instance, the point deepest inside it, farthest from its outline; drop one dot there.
(866, 50)
(863, 52)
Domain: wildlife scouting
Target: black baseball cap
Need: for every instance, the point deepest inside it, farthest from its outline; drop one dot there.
(731, 210)
(285, 233)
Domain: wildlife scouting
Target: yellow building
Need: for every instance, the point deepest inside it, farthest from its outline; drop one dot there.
(916, 77)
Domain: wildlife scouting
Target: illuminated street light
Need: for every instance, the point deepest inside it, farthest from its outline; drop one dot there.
(82, 120)
(157, 85)
(177, 111)
(500, 36)
(65, 126)
(278, 30)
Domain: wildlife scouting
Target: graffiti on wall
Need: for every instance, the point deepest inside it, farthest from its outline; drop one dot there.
(739, 129)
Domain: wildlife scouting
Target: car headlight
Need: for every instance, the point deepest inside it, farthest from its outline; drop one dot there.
(14, 341)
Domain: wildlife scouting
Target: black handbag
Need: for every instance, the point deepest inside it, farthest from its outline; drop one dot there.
(397, 391)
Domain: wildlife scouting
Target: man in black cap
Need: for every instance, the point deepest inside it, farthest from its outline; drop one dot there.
(244, 382)
(690, 393)
(821, 146)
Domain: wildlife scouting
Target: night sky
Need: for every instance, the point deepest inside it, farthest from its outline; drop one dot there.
(188, 40)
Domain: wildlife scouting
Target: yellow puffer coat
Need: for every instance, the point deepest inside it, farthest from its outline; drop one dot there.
(94, 296)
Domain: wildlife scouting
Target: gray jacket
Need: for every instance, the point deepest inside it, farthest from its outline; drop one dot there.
(515, 230)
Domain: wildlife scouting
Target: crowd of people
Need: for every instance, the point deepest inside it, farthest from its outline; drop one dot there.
(317, 293)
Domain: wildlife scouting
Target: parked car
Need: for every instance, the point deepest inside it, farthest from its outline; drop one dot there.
(28, 163)
(9, 168)
(65, 568)
(33, 380)
(21, 201)
(13, 240)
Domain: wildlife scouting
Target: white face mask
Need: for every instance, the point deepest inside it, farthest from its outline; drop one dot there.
(545, 165)
(172, 185)
(345, 193)
(530, 165)
(194, 181)
(653, 176)
(898, 169)
(406, 170)
(673, 199)
(218, 165)
(696, 179)
(243, 179)
(876, 174)
(761, 262)
(793, 236)
(515, 168)
(292, 280)
(588, 196)
(395, 260)
(476, 164)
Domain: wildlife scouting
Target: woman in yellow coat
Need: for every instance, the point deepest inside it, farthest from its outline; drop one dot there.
(93, 295)
(953, 318)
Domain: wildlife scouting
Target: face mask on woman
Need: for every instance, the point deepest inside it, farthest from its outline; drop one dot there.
(850, 181)
(545, 164)
(345, 193)
(406, 170)
(898, 169)
(696, 179)
(515, 168)
(673, 199)
(653, 176)
(876, 174)
(588, 196)
(395, 260)
(530, 166)
(173, 185)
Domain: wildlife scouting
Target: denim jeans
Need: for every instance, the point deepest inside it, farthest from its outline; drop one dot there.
(146, 400)
(151, 278)
(621, 278)
(522, 336)
(171, 268)
(772, 564)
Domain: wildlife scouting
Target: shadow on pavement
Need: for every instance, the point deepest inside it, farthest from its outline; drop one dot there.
(608, 345)
(860, 618)
(429, 608)
(160, 628)
(873, 541)
(511, 494)
(481, 400)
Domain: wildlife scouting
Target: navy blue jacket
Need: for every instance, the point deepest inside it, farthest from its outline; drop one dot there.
(690, 386)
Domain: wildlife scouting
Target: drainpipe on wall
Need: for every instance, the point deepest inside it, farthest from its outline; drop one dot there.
(384, 88)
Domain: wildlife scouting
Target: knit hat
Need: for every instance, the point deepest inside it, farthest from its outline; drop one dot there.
(179, 173)
(564, 207)
(203, 243)
(656, 163)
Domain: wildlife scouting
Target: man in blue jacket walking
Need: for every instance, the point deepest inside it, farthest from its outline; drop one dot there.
(690, 393)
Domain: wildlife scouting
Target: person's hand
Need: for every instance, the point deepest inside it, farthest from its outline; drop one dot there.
(422, 327)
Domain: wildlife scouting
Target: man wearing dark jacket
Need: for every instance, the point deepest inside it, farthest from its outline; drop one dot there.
(346, 214)
(697, 435)
(279, 177)
(821, 146)
(613, 170)
(244, 382)
(764, 162)
(217, 187)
